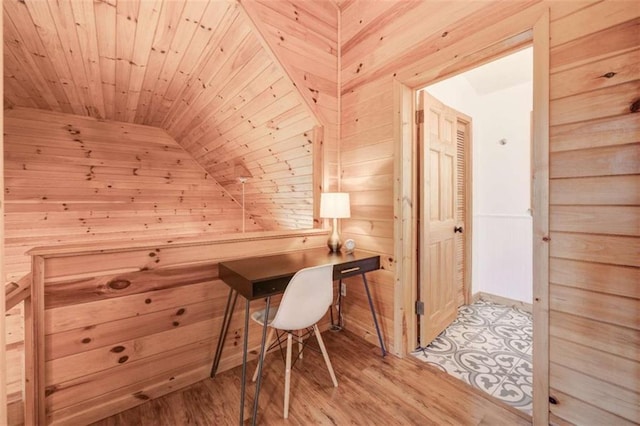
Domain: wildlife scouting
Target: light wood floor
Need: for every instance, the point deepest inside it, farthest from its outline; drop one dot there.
(371, 391)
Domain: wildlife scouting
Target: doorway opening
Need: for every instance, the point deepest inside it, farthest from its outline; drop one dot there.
(475, 240)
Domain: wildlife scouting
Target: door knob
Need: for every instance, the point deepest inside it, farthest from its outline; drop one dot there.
(457, 229)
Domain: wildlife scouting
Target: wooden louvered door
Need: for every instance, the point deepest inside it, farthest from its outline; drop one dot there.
(443, 212)
(463, 209)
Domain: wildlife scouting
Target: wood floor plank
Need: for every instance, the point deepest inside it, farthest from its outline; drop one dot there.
(371, 390)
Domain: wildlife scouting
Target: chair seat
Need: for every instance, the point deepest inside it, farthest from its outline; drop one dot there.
(258, 316)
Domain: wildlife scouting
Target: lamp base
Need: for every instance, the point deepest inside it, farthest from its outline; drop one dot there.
(334, 242)
(334, 246)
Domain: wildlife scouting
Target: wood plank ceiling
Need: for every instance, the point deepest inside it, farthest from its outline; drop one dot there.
(198, 69)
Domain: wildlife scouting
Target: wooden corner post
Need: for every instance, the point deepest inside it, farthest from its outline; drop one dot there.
(34, 347)
(540, 178)
(405, 190)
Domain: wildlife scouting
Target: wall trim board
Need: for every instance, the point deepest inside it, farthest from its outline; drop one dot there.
(508, 216)
(3, 354)
(535, 31)
(540, 205)
(179, 242)
(481, 295)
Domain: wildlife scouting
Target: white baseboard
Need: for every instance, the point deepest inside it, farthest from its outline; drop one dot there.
(527, 307)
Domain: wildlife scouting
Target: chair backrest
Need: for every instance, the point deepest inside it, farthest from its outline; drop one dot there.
(306, 298)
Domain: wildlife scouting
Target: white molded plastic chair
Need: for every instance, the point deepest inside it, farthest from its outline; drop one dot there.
(304, 302)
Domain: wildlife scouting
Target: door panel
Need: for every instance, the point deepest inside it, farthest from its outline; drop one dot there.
(434, 198)
(447, 187)
(438, 259)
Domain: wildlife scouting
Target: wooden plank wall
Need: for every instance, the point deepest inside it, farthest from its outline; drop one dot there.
(594, 169)
(194, 68)
(595, 214)
(76, 179)
(594, 141)
(381, 41)
(14, 325)
(304, 37)
(125, 325)
(3, 339)
(240, 111)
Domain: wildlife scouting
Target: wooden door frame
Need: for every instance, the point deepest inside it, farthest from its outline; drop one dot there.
(3, 346)
(405, 190)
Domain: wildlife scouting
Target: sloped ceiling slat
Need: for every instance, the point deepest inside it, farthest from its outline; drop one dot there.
(306, 45)
(303, 35)
(85, 24)
(30, 56)
(105, 19)
(197, 69)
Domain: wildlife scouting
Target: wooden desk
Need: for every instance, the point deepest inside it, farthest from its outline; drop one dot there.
(258, 277)
(265, 276)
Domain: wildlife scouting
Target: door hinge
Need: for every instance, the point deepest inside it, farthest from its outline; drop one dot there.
(419, 307)
(419, 116)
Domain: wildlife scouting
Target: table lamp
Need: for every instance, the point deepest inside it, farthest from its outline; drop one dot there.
(334, 205)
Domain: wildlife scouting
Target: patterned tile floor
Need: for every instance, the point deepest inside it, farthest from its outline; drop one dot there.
(488, 346)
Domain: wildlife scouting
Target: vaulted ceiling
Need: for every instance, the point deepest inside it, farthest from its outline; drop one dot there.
(222, 78)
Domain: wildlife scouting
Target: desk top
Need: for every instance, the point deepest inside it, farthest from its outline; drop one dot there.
(262, 276)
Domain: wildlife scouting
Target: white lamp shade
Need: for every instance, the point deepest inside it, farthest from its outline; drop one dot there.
(335, 205)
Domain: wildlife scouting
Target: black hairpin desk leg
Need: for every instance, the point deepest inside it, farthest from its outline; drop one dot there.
(373, 313)
(260, 362)
(226, 320)
(244, 360)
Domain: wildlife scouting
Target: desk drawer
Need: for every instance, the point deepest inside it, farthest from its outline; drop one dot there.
(357, 267)
(270, 287)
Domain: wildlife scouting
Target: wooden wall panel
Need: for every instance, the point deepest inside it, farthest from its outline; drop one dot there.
(14, 327)
(380, 43)
(595, 235)
(303, 35)
(4, 389)
(194, 68)
(111, 348)
(619, 130)
(208, 92)
(75, 179)
(71, 179)
(594, 171)
(603, 395)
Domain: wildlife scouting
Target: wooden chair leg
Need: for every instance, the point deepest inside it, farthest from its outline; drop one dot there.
(267, 343)
(300, 345)
(287, 375)
(325, 355)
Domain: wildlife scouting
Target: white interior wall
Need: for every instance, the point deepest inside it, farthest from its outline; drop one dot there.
(502, 225)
